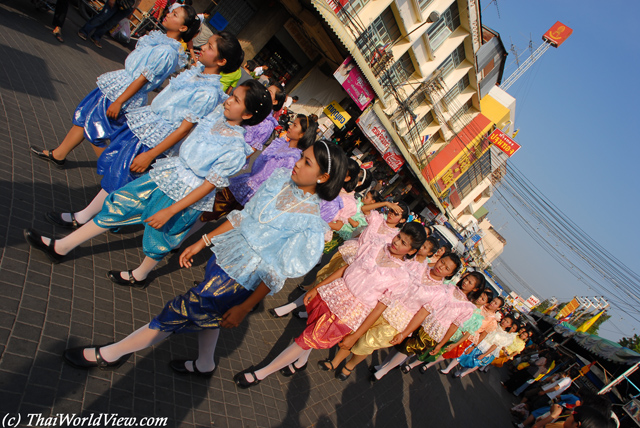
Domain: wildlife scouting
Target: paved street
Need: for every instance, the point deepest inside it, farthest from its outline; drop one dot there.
(45, 309)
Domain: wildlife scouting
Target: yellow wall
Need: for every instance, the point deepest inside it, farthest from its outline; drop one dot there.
(494, 111)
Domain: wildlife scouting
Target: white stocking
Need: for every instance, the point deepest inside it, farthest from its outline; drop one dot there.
(289, 307)
(468, 371)
(207, 340)
(433, 363)
(450, 367)
(397, 359)
(65, 245)
(142, 271)
(286, 357)
(94, 207)
(142, 338)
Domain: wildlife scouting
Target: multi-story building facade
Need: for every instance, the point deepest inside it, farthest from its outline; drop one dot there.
(430, 64)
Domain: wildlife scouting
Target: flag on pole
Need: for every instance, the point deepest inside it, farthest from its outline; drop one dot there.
(587, 324)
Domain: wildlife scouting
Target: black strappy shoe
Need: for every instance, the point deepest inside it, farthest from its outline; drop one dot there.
(48, 157)
(116, 277)
(34, 239)
(75, 357)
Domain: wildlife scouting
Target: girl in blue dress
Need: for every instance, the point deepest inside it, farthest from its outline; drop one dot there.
(156, 57)
(278, 235)
(151, 131)
(177, 189)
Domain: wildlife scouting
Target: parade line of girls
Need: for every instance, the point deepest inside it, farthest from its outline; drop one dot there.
(388, 286)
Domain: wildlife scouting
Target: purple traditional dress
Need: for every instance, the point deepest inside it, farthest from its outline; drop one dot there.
(244, 186)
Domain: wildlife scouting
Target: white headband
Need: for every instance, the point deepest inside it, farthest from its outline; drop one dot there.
(364, 176)
(328, 157)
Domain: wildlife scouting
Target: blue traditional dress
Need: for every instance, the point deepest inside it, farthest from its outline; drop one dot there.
(155, 57)
(214, 151)
(498, 337)
(190, 96)
(278, 235)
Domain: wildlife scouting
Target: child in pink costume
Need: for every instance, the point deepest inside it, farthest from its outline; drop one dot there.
(340, 304)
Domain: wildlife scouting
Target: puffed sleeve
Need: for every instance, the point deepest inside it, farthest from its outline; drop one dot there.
(257, 135)
(463, 316)
(202, 103)
(329, 209)
(296, 258)
(349, 250)
(472, 324)
(228, 163)
(160, 63)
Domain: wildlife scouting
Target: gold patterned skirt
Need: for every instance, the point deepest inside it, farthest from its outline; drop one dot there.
(202, 307)
(419, 343)
(377, 337)
(334, 264)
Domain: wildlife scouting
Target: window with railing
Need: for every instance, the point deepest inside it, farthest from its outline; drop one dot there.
(459, 116)
(451, 62)
(477, 172)
(421, 125)
(424, 4)
(456, 90)
(417, 99)
(425, 149)
(348, 13)
(399, 72)
(383, 30)
(443, 27)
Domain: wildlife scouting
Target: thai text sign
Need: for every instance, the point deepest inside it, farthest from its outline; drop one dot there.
(568, 309)
(375, 132)
(504, 142)
(337, 114)
(470, 155)
(354, 83)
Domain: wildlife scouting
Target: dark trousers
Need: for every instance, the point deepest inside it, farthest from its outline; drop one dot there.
(60, 13)
(104, 21)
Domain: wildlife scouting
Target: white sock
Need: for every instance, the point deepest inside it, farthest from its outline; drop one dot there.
(142, 338)
(451, 365)
(286, 357)
(207, 340)
(433, 363)
(289, 307)
(65, 245)
(468, 371)
(141, 272)
(94, 207)
(303, 359)
(394, 362)
(415, 364)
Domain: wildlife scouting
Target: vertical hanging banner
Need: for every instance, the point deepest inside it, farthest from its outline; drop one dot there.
(354, 83)
(372, 128)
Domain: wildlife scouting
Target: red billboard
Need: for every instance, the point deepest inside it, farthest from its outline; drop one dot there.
(504, 142)
(557, 34)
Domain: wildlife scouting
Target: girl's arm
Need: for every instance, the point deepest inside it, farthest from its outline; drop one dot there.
(314, 291)
(192, 53)
(450, 332)
(160, 218)
(489, 351)
(482, 336)
(366, 209)
(186, 258)
(353, 223)
(350, 340)
(114, 109)
(411, 327)
(336, 225)
(459, 342)
(143, 160)
(234, 316)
